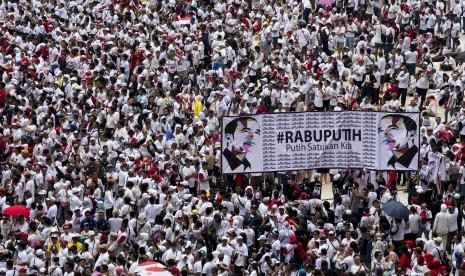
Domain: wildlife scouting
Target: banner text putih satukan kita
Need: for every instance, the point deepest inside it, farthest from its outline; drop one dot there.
(312, 140)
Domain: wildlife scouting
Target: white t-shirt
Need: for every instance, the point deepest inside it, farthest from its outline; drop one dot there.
(241, 251)
(462, 172)
(188, 171)
(456, 248)
(198, 267)
(203, 184)
(378, 30)
(355, 268)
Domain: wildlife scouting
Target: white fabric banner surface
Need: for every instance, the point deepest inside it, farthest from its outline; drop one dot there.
(301, 141)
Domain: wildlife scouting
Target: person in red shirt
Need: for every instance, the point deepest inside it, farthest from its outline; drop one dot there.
(392, 178)
(460, 154)
(393, 88)
(140, 57)
(2, 92)
(257, 27)
(444, 134)
(262, 108)
(46, 24)
(42, 52)
(271, 72)
(282, 76)
(24, 62)
(244, 21)
(405, 259)
(133, 60)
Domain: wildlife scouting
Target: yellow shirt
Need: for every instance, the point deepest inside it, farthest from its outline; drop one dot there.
(50, 245)
(78, 246)
(197, 108)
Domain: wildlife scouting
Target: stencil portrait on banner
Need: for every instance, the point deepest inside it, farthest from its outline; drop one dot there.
(243, 144)
(398, 134)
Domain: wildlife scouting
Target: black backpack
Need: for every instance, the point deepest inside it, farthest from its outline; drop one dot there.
(454, 174)
(267, 100)
(323, 35)
(390, 38)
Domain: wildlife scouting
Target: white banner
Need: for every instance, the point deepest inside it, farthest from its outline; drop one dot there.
(310, 140)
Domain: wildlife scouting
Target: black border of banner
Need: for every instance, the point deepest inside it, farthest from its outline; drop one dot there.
(268, 113)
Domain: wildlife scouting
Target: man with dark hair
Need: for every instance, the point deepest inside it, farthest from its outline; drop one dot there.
(397, 137)
(241, 139)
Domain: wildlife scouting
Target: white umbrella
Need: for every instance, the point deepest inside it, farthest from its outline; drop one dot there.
(152, 268)
(154, 273)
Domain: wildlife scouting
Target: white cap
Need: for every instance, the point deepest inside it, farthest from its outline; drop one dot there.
(39, 252)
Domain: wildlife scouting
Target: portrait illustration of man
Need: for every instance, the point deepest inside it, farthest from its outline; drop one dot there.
(397, 139)
(242, 137)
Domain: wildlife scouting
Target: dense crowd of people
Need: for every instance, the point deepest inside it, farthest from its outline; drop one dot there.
(111, 116)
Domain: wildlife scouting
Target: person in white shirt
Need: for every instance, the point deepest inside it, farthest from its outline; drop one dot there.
(75, 202)
(93, 243)
(394, 104)
(403, 78)
(411, 59)
(413, 107)
(422, 85)
(457, 250)
(453, 228)
(103, 256)
(351, 30)
(242, 253)
(23, 257)
(36, 262)
(449, 62)
(358, 266)
(340, 32)
(438, 251)
(378, 29)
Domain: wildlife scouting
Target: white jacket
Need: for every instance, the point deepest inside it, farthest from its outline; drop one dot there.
(442, 221)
